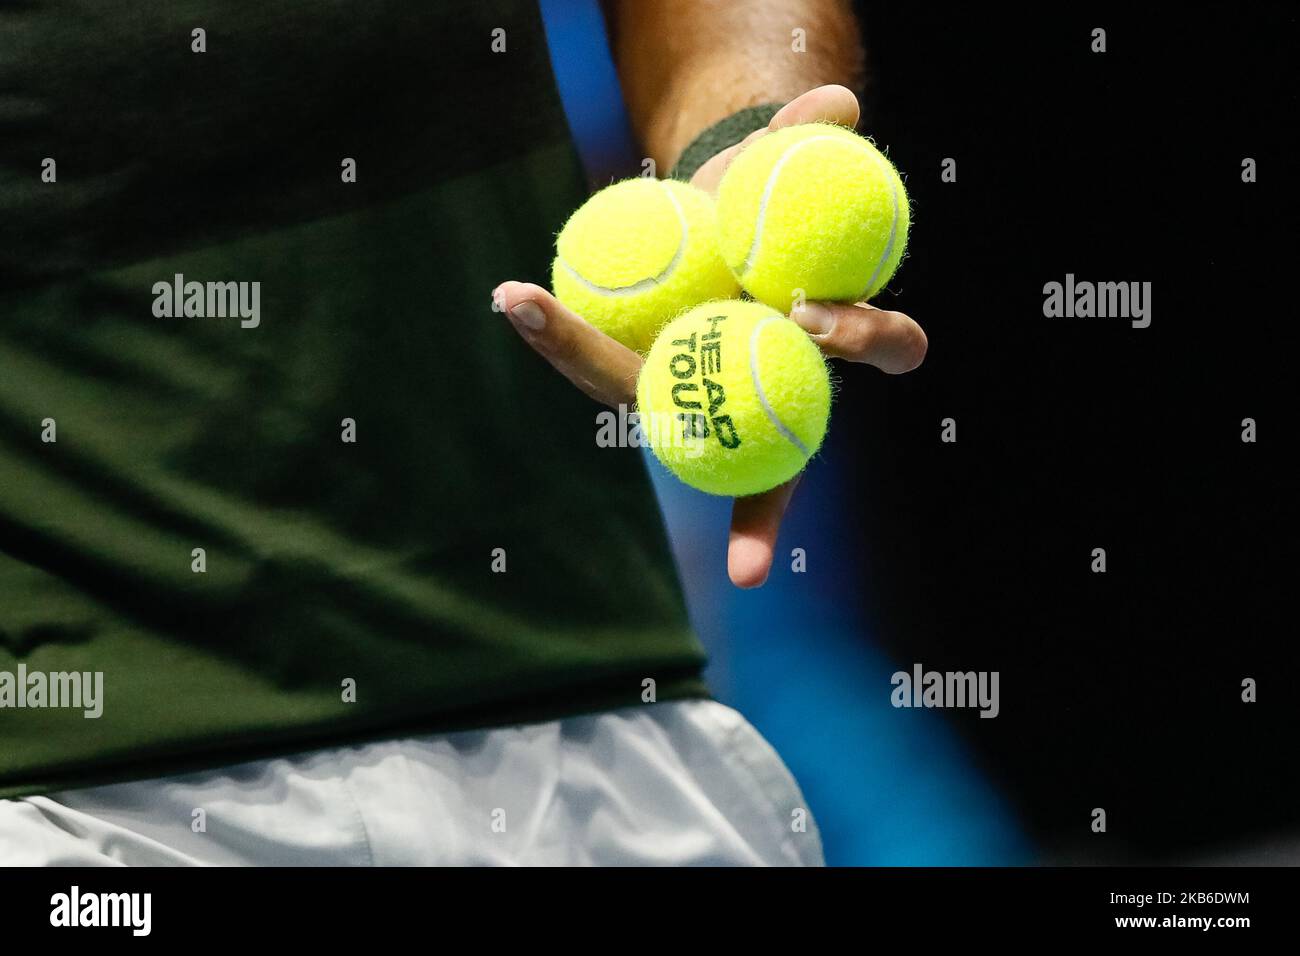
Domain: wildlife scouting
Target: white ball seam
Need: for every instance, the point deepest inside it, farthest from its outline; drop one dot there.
(641, 285)
(768, 410)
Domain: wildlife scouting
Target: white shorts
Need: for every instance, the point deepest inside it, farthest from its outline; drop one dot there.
(680, 783)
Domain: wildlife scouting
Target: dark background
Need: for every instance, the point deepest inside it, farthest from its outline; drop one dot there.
(1119, 690)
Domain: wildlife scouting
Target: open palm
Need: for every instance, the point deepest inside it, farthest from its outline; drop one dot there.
(607, 371)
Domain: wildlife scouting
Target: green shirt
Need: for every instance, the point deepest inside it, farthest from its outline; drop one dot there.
(331, 569)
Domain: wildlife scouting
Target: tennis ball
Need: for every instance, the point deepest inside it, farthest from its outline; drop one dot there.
(637, 253)
(813, 207)
(733, 397)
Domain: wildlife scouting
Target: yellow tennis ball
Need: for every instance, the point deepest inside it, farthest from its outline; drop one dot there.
(733, 398)
(815, 208)
(637, 253)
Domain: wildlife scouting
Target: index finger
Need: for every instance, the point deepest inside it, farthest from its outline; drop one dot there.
(603, 368)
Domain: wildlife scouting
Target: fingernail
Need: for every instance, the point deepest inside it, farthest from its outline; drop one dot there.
(814, 318)
(529, 315)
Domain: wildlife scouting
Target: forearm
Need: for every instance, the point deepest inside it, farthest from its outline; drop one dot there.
(685, 64)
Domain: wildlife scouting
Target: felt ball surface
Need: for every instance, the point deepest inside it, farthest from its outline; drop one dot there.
(636, 254)
(815, 208)
(734, 398)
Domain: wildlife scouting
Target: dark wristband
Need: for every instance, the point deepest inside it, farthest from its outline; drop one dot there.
(724, 133)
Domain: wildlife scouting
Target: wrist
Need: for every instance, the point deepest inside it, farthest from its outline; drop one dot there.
(725, 132)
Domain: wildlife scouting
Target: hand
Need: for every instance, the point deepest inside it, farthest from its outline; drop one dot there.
(607, 371)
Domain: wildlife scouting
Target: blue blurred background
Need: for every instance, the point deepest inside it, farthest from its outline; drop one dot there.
(797, 657)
